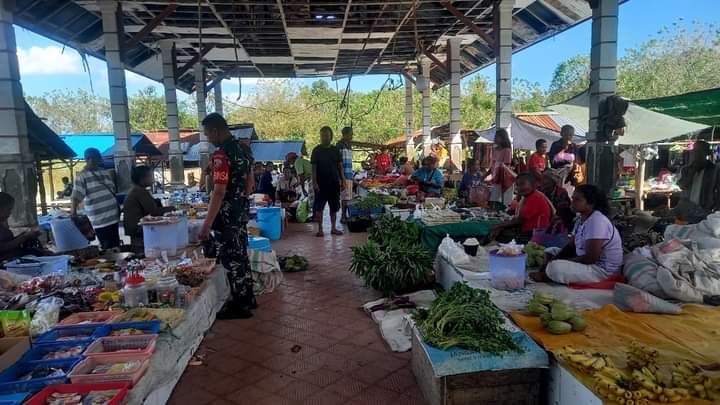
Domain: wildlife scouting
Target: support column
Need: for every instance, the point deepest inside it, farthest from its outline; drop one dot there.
(17, 171)
(201, 112)
(112, 32)
(410, 145)
(503, 63)
(456, 142)
(218, 98)
(603, 76)
(426, 130)
(175, 156)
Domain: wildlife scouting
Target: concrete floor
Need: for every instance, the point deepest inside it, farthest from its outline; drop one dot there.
(309, 343)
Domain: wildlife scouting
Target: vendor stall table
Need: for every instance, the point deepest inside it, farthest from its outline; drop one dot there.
(174, 349)
(431, 236)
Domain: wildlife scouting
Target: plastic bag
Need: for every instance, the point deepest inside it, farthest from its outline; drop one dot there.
(15, 323)
(452, 251)
(303, 211)
(47, 315)
(266, 272)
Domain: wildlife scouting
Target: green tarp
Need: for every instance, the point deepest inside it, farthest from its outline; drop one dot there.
(700, 106)
(431, 236)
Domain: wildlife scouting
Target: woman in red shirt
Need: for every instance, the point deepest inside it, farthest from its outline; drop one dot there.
(383, 163)
(538, 160)
(533, 211)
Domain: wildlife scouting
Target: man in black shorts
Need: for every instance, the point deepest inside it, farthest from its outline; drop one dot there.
(328, 179)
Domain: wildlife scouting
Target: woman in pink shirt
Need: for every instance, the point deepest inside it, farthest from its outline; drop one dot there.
(501, 177)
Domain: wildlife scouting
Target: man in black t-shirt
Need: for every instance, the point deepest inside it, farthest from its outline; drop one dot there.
(328, 179)
(566, 134)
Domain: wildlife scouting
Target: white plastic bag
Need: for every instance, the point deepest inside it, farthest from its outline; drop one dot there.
(453, 252)
(47, 315)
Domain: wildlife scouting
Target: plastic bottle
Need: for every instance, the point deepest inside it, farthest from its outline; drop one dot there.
(135, 293)
(167, 288)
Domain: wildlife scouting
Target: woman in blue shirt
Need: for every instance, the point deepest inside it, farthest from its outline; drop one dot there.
(429, 178)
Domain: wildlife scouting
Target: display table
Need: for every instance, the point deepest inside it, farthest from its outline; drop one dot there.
(431, 236)
(174, 349)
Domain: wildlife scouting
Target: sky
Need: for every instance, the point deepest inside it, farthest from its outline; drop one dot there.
(45, 65)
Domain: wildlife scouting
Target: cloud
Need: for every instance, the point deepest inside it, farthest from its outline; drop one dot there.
(49, 60)
(137, 80)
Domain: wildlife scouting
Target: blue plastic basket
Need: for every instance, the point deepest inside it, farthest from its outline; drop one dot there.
(36, 354)
(149, 327)
(354, 212)
(9, 378)
(92, 331)
(13, 399)
(262, 244)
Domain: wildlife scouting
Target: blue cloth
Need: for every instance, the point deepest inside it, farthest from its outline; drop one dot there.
(470, 180)
(429, 176)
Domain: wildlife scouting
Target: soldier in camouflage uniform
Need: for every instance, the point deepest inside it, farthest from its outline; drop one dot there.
(231, 167)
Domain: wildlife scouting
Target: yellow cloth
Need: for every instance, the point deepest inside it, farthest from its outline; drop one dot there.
(692, 335)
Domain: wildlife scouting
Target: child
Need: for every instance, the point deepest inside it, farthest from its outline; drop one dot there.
(12, 246)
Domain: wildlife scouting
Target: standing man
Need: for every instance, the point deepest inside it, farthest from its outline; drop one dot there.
(345, 146)
(303, 168)
(567, 132)
(328, 180)
(232, 166)
(95, 189)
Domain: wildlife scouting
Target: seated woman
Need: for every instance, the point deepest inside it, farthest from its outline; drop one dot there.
(595, 251)
(552, 180)
(287, 186)
(473, 178)
(428, 178)
(533, 211)
(12, 246)
(140, 203)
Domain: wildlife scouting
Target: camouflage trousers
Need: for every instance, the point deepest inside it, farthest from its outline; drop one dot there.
(232, 253)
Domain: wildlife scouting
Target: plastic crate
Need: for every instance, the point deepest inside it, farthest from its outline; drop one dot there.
(14, 399)
(41, 397)
(149, 327)
(90, 318)
(36, 354)
(58, 333)
(116, 346)
(82, 373)
(39, 266)
(9, 378)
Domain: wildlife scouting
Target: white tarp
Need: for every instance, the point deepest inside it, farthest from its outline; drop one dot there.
(643, 126)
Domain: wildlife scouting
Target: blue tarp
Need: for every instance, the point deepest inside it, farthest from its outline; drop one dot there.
(263, 151)
(105, 144)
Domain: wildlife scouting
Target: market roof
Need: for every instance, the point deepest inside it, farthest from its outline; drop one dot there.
(702, 107)
(105, 143)
(552, 121)
(296, 38)
(643, 126)
(44, 142)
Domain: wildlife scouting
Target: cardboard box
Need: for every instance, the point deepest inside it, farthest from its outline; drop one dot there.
(11, 349)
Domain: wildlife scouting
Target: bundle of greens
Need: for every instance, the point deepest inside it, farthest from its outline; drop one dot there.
(465, 317)
(392, 267)
(388, 228)
(293, 263)
(370, 202)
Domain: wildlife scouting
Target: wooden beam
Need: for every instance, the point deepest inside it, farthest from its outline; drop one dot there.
(147, 29)
(408, 76)
(468, 23)
(193, 61)
(436, 61)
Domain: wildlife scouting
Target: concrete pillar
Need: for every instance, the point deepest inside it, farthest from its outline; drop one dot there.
(112, 29)
(201, 112)
(409, 127)
(218, 98)
(503, 63)
(456, 142)
(17, 170)
(426, 130)
(603, 76)
(175, 156)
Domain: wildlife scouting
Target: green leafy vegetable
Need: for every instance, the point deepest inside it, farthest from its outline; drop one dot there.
(387, 228)
(392, 267)
(465, 317)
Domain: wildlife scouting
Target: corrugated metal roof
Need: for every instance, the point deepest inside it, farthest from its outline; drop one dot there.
(541, 120)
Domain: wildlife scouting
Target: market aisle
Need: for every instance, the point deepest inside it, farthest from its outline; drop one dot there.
(309, 343)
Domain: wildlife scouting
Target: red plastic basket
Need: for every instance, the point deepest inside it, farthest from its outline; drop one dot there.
(41, 397)
(82, 373)
(119, 346)
(91, 317)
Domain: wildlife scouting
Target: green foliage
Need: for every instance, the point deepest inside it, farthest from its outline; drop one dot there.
(465, 317)
(73, 111)
(392, 267)
(391, 229)
(571, 77)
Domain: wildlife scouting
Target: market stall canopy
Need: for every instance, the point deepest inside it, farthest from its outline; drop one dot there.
(105, 143)
(243, 131)
(292, 38)
(643, 126)
(441, 132)
(524, 134)
(263, 151)
(702, 107)
(44, 142)
(552, 121)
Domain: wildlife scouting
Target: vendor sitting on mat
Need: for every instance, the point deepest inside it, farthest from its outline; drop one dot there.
(429, 178)
(595, 251)
(533, 211)
(12, 246)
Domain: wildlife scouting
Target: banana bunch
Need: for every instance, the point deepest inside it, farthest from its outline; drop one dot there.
(690, 377)
(639, 356)
(584, 360)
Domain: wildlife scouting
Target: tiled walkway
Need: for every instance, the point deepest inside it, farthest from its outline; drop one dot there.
(309, 343)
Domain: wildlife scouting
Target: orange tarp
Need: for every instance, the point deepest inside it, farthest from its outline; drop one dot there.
(693, 335)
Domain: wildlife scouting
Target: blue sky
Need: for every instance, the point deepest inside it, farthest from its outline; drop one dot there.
(45, 66)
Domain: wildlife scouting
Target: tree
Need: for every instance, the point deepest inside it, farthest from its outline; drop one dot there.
(68, 111)
(477, 104)
(527, 96)
(148, 111)
(570, 78)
